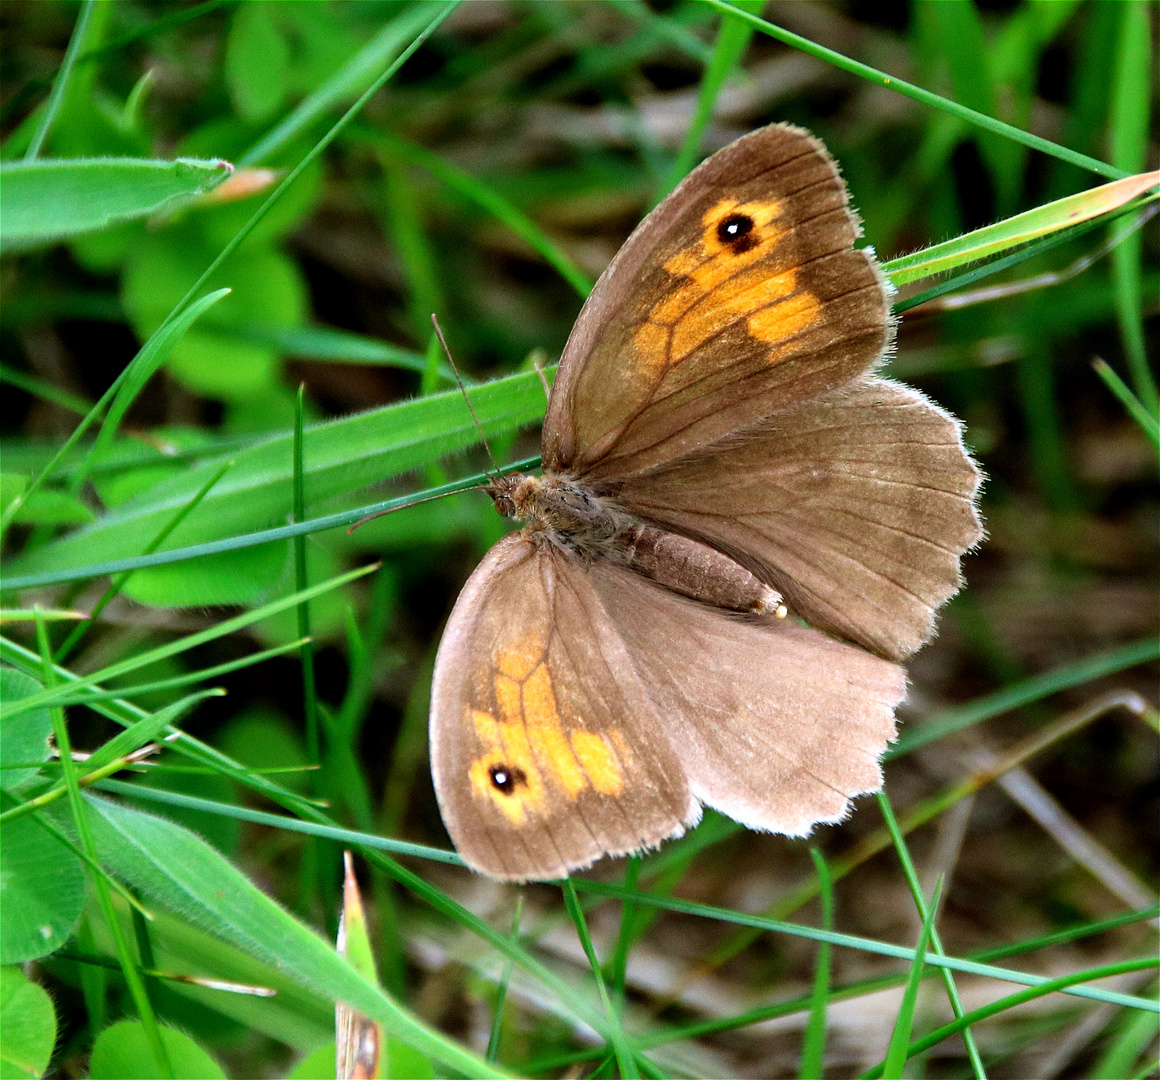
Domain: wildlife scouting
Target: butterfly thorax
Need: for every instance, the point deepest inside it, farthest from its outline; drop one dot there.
(558, 511)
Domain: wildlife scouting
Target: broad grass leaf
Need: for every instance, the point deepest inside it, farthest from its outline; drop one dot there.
(48, 199)
(340, 456)
(175, 869)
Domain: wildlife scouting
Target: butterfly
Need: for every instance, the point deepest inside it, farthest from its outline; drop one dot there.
(740, 531)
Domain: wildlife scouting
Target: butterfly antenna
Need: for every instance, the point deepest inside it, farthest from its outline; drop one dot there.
(463, 391)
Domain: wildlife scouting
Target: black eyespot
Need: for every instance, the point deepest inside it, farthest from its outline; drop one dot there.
(736, 231)
(507, 778)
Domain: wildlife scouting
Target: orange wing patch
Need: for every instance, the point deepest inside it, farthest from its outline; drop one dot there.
(527, 750)
(723, 281)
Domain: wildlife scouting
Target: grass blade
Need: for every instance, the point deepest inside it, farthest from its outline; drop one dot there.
(814, 1043)
(60, 82)
(925, 97)
(900, 1038)
(81, 823)
(1030, 225)
(935, 940)
(625, 1056)
(1136, 409)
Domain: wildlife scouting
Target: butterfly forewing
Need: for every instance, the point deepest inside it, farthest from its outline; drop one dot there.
(546, 751)
(739, 295)
(855, 506)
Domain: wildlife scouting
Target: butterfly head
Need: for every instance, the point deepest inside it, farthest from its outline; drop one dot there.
(512, 494)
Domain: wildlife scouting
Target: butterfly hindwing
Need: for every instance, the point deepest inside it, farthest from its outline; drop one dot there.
(855, 506)
(545, 750)
(776, 725)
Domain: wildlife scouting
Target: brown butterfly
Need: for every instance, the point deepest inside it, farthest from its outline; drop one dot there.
(717, 450)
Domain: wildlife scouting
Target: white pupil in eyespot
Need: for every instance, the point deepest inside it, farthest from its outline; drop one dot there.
(500, 777)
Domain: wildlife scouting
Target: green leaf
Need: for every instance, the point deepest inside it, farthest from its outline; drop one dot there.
(42, 507)
(316, 1066)
(29, 1025)
(46, 200)
(25, 737)
(42, 891)
(257, 56)
(121, 1052)
(233, 577)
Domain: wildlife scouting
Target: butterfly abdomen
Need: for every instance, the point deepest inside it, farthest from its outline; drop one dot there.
(560, 512)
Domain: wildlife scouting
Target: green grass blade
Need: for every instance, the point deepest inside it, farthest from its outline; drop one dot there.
(502, 989)
(144, 365)
(180, 871)
(1063, 983)
(733, 39)
(118, 583)
(1026, 691)
(1131, 99)
(917, 93)
(1136, 409)
(326, 343)
(44, 698)
(81, 823)
(301, 585)
(341, 456)
(113, 752)
(814, 1044)
(60, 82)
(484, 195)
(87, 697)
(900, 1037)
(348, 81)
(881, 948)
(264, 536)
(1030, 225)
(618, 963)
(1131, 1038)
(625, 1056)
(30, 384)
(1030, 251)
(935, 940)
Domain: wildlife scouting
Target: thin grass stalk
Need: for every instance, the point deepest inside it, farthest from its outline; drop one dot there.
(626, 1056)
(1064, 982)
(1131, 100)
(935, 938)
(618, 964)
(129, 968)
(118, 583)
(501, 990)
(925, 97)
(813, 1061)
(732, 40)
(60, 82)
(900, 1038)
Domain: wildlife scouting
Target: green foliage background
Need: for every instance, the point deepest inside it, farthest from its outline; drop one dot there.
(491, 172)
